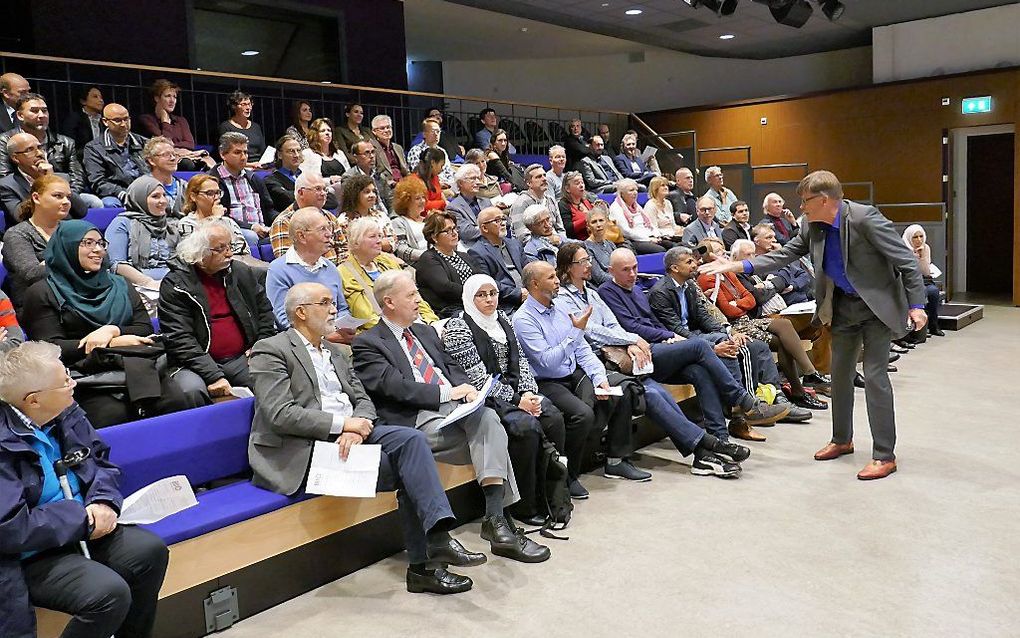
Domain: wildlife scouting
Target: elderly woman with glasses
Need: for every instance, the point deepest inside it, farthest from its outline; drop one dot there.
(442, 270)
(81, 306)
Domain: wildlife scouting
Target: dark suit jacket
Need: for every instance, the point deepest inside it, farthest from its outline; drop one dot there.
(281, 192)
(731, 232)
(467, 221)
(666, 307)
(78, 128)
(878, 264)
(61, 152)
(6, 123)
(623, 165)
(491, 262)
(382, 165)
(15, 189)
(439, 284)
(384, 370)
(288, 409)
(576, 149)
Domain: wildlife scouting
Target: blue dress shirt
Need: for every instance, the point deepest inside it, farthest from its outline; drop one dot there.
(553, 346)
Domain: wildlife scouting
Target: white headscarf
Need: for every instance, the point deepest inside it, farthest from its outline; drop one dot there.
(489, 323)
(909, 233)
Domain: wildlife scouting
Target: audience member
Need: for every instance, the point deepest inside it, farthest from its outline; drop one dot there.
(683, 199)
(490, 128)
(239, 106)
(309, 191)
(334, 406)
(765, 290)
(537, 193)
(598, 245)
(211, 312)
(501, 258)
(81, 306)
(489, 185)
(429, 171)
(660, 210)
(333, 159)
(142, 237)
(430, 140)
(574, 205)
(390, 159)
(361, 200)
(11, 333)
(721, 195)
(409, 223)
(29, 164)
(782, 219)
(352, 131)
(366, 263)
(738, 227)
(201, 202)
(599, 172)
(363, 153)
(800, 285)
(481, 340)
(442, 269)
(300, 120)
(163, 161)
(84, 124)
(243, 196)
(116, 591)
(917, 241)
(499, 164)
(554, 176)
(23, 246)
(568, 373)
(281, 183)
(705, 225)
(603, 131)
(163, 123)
(575, 146)
(12, 87)
(468, 203)
(629, 162)
(305, 262)
(544, 240)
(415, 383)
(454, 151)
(604, 332)
(639, 229)
(114, 160)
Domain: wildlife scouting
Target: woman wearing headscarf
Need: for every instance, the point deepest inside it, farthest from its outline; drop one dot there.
(142, 236)
(917, 241)
(81, 306)
(483, 342)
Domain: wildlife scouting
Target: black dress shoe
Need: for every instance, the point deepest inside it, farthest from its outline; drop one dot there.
(898, 350)
(893, 357)
(437, 581)
(891, 368)
(531, 520)
(933, 330)
(811, 403)
(509, 542)
(858, 380)
(903, 343)
(451, 552)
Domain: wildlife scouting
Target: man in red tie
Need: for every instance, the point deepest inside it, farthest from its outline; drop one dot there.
(413, 382)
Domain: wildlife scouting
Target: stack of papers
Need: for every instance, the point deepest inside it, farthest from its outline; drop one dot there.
(357, 476)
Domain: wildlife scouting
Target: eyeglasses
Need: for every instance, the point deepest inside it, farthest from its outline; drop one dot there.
(481, 294)
(586, 261)
(219, 250)
(165, 155)
(215, 193)
(453, 231)
(322, 304)
(68, 383)
(369, 151)
(92, 244)
(30, 149)
(317, 189)
(118, 120)
(383, 128)
(710, 209)
(805, 200)
(498, 220)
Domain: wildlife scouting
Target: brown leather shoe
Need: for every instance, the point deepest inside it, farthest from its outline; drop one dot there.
(741, 430)
(834, 451)
(876, 470)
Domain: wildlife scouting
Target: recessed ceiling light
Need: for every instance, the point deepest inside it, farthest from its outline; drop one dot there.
(524, 29)
(605, 4)
(325, 82)
(249, 52)
(727, 36)
(633, 12)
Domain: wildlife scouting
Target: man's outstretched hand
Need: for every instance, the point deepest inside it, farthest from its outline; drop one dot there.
(919, 317)
(720, 266)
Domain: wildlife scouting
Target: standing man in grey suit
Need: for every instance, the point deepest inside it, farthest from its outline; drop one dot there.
(868, 287)
(305, 391)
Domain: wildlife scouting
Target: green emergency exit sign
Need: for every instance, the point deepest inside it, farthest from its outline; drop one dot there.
(977, 104)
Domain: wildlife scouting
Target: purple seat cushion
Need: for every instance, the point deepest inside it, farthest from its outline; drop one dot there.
(102, 217)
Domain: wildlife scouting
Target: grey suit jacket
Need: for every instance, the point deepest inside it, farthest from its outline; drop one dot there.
(288, 411)
(695, 232)
(881, 268)
(467, 221)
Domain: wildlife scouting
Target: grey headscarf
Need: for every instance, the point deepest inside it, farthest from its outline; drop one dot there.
(144, 225)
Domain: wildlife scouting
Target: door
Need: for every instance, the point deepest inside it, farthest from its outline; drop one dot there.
(990, 214)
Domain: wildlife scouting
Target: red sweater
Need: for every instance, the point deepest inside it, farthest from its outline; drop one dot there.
(226, 335)
(744, 299)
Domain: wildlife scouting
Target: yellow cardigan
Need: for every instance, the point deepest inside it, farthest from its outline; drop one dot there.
(361, 301)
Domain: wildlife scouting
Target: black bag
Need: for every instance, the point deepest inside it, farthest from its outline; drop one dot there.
(134, 373)
(553, 491)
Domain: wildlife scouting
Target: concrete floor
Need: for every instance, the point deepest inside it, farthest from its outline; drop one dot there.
(793, 548)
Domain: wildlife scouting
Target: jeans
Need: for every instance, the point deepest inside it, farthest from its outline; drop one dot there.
(663, 410)
(112, 202)
(92, 201)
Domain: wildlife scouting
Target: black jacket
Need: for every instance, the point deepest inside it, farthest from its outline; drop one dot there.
(61, 152)
(384, 370)
(281, 193)
(731, 232)
(258, 186)
(666, 306)
(105, 175)
(439, 283)
(576, 149)
(184, 315)
(78, 127)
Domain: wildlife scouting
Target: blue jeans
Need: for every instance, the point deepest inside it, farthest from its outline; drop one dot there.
(112, 202)
(932, 307)
(662, 408)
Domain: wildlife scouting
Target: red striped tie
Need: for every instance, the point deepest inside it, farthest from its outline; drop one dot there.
(428, 372)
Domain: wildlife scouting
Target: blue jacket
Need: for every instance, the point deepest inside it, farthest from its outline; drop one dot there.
(623, 165)
(24, 527)
(633, 311)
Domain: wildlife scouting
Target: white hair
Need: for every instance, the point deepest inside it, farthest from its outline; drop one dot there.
(387, 281)
(23, 366)
(465, 171)
(360, 227)
(556, 147)
(533, 213)
(765, 202)
(379, 119)
(626, 181)
(194, 248)
(711, 172)
(304, 180)
(742, 244)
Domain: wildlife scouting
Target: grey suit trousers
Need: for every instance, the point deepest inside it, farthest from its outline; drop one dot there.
(478, 439)
(854, 325)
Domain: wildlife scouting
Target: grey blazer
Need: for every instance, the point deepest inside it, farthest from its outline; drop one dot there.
(288, 413)
(695, 232)
(881, 268)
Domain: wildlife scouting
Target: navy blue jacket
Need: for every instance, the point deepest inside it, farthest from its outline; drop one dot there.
(491, 262)
(634, 312)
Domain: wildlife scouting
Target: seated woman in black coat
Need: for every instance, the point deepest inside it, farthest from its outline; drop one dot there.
(482, 341)
(442, 269)
(81, 306)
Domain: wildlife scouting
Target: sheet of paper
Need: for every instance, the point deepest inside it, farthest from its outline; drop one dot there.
(157, 501)
(647, 369)
(346, 320)
(935, 272)
(240, 392)
(613, 391)
(802, 308)
(504, 201)
(648, 153)
(268, 157)
(465, 409)
(357, 476)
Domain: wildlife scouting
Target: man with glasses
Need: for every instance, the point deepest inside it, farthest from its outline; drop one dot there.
(364, 164)
(114, 160)
(310, 191)
(389, 156)
(868, 288)
(162, 158)
(545, 241)
(705, 225)
(501, 257)
(114, 592)
(29, 162)
(467, 204)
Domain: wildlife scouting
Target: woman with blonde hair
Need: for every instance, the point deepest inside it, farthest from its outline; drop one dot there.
(201, 202)
(48, 203)
(660, 210)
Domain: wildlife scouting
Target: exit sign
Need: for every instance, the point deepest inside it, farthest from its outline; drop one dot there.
(977, 104)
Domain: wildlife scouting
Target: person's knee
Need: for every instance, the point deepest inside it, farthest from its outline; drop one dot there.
(109, 599)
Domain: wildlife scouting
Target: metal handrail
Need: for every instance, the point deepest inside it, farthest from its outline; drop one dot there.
(787, 165)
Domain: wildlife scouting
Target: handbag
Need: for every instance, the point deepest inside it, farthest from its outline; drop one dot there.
(618, 359)
(134, 370)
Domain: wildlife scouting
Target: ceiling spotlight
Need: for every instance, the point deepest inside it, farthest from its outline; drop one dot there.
(249, 52)
(792, 13)
(633, 12)
(727, 36)
(832, 9)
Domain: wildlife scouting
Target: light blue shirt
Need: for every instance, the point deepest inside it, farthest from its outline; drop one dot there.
(603, 328)
(553, 346)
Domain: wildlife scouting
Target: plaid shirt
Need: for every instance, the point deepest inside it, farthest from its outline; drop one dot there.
(244, 202)
(279, 236)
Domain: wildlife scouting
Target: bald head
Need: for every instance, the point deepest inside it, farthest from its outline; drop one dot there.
(623, 267)
(491, 229)
(25, 151)
(311, 310)
(12, 87)
(117, 120)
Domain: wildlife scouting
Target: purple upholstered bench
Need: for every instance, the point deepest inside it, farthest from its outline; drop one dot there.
(609, 198)
(102, 217)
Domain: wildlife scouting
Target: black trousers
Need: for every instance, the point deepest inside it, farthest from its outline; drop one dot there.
(584, 418)
(524, 443)
(115, 593)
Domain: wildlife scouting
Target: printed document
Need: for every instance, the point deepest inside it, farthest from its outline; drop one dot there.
(357, 476)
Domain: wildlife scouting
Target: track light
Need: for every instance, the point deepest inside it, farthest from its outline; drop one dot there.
(719, 7)
(792, 13)
(832, 9)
